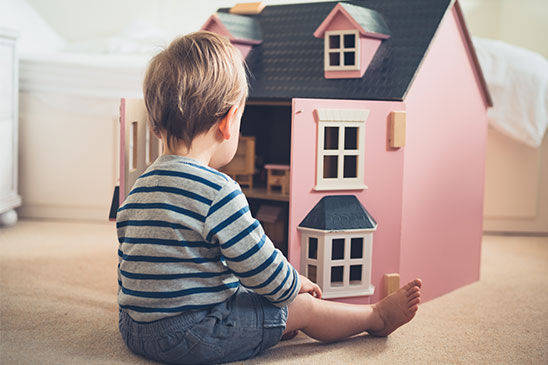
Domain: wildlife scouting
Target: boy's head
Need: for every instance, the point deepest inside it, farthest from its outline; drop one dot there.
(192, 84)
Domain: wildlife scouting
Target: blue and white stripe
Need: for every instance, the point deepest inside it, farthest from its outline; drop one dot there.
(187, 241)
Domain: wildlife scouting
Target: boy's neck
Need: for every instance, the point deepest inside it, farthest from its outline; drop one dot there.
(202, 148)
(216, 147)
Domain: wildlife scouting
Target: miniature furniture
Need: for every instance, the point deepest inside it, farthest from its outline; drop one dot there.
(242, 166)
(273, 218)
(277, 175)
(9, 127)
(377, 91)
(336, 246)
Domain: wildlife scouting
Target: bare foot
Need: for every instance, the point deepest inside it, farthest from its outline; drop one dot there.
(396, 309)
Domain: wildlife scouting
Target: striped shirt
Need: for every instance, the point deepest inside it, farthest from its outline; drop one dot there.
(187, 241)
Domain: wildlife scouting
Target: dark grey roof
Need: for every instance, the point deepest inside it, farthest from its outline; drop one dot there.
(290, 62)
(240, 26)
(369, 20)
(338, 212)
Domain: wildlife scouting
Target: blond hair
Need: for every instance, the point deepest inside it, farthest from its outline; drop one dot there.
(191, 84)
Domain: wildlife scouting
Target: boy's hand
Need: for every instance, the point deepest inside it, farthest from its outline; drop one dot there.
(309, 287)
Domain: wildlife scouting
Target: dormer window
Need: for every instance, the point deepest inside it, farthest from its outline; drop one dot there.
(352, 34)
(342, 50)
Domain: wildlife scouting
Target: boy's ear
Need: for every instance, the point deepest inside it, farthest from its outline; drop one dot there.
(226, 122)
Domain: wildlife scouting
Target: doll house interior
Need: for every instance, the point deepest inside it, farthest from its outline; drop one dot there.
(264, 141)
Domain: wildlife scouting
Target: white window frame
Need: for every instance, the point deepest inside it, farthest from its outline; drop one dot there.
(340, 118)
(318, 261)
(346, 262)
(324, 263)
(341, 50)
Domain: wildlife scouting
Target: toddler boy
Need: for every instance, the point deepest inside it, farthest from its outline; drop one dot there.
(199, 281)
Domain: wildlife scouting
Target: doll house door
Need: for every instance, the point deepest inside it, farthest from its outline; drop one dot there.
(138, 148)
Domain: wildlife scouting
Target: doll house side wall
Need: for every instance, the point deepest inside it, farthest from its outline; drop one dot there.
(444, 166)
(383, 177)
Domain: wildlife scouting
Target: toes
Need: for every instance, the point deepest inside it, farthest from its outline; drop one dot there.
(417, 283)
(413, 291)
(414, 296)
(414, 302)
(410, 285)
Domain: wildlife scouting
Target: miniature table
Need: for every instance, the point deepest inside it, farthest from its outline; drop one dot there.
(278, 175)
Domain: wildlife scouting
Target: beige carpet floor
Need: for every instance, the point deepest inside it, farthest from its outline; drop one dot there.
(58, 306)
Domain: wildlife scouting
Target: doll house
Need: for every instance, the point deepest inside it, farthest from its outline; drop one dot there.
(380, 101)
(372, 104)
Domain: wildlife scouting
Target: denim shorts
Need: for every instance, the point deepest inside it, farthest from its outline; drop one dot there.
(237, 329)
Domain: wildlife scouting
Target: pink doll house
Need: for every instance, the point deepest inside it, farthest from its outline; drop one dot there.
(381, 101)
(380, 110)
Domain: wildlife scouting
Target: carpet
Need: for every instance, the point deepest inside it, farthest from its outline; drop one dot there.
(58, 306)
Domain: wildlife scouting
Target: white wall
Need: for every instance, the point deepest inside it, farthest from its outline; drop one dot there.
(519, 22)
(84, 19)
(91, 165)
(522, 23)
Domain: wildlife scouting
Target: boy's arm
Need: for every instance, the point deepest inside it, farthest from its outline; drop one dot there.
(247, 251)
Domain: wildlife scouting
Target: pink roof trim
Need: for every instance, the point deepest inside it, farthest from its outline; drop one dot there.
(214, 19)
(473, 54)
(244, 40)
(339, 8)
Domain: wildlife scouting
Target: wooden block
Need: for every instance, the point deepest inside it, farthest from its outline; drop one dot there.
(396, 138)
(391, 283)
(248, 8)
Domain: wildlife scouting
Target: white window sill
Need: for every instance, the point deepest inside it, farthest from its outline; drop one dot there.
(340, 186)
(347, 292)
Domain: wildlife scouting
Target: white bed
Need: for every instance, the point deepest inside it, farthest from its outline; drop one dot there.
(69, 131)
(516, 190)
